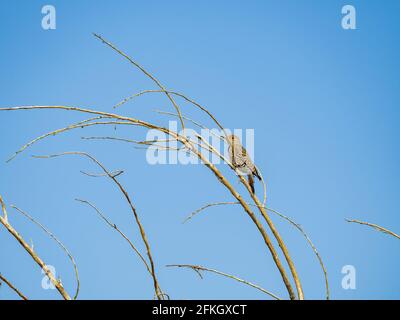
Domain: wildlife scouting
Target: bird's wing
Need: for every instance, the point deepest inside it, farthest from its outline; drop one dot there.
(247, 162)
(240, 156)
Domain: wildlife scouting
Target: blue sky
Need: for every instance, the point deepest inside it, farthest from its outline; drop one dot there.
(323, 102)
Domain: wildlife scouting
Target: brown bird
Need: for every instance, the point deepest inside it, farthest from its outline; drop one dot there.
(241, 160)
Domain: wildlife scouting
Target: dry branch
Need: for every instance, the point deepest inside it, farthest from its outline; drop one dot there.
(12, 287)
(208, 164)
(375, 226)
(158, 292)
(213, 150)
(63, 247)
(136, 142)
(191, 147)
(79, 125)
(97, 175)
(197, 269)
(191, 101)
(114, 226)
(34, 255)
(155, 80)
(291, 221)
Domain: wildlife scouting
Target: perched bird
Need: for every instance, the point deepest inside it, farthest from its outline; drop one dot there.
(241, 160)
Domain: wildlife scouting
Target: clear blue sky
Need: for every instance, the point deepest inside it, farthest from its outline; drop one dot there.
(324, 104)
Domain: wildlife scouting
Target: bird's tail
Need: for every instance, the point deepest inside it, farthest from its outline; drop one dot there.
(251, 182)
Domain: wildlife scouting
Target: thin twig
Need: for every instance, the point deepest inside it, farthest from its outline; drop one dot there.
(146, 142)
(176, 94)
(375, 226)
(291, 221)
(114, 226)
(58, 242)
(259, 226)
(213, 150)
(3, 209)
(35, 257)
(151, 143)
(79, 125)
(155, 80)
(128, 199)
(17, 291)
(197, 269)
(97, 175)
(219, 176)
(277, 236)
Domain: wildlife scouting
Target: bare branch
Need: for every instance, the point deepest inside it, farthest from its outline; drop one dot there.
(79, 125)
(291, 221)
(156, 81)
(114, 226)
(145, 142)
(58, 242)
(53, 133)
(221, 178)
(375, 226)
(260, 227)
(197, 269)
(89, 111)
(266, 218)
(3, 208)
(35, 257)
(128, 199)
(191, 101)
(97, 175)
(22, 296)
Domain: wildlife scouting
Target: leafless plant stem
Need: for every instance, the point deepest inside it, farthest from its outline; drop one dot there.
(291, 221)
(207, 163)
(375, 226)
(63, 247)
(191, 147)
(197, 269)
(34, 256)
(114, 226)
(17, 291)
(155, 80)
(128, 199)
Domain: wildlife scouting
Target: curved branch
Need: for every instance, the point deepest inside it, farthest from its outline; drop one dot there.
(259, 226)
(97, 175)
(219, 176)
(179, 95)
(34, 256)
(140, 143)
(155, 80)
(22, 296)
(114, 226)
(3, 209)
(266, 218)
(375, 226)
(125, 194)
(58, 242)
(79, 125)
(197, 269)
(291, 221)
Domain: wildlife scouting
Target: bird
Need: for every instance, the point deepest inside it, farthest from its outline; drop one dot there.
(241, 160)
